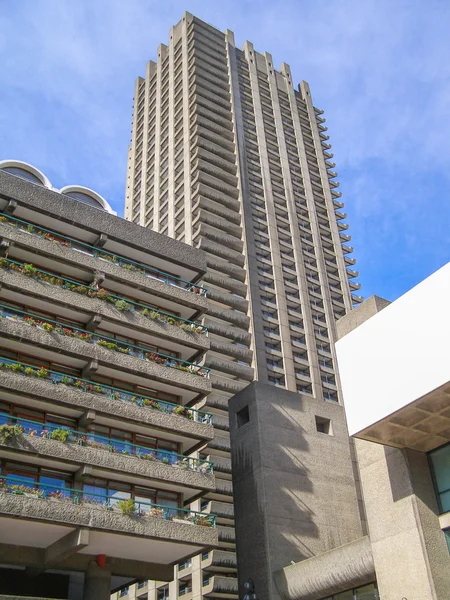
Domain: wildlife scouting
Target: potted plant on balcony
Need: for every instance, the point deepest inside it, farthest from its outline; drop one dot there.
(128, 507)
(182, 411)
(9, 432)
(203, 521)
(60, 435)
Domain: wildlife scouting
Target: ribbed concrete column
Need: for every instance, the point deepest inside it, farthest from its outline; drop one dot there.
(97, 583)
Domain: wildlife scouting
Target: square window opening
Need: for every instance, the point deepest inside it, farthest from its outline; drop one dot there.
(324, 425)
(242, 416)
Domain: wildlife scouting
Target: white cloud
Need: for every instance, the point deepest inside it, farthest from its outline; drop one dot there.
(379, 69)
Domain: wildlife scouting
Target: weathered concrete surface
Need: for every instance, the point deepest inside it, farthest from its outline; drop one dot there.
(66, 513)
(85, 455)
(335, 571)
(409, 549)
(298, 481)
(21, 283)
(79, 259)
(126, 412)
(77, 348)
(69, 210)
(359, 315)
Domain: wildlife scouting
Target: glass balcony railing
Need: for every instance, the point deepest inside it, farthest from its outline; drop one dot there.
(105, 391)
(122, 303)
(96, 441)
(105, 342)
(118, 502)
(118, 260)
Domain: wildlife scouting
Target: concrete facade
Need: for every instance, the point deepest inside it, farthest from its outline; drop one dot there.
(294, 488)
(229, 157)
(102, 376)
(403, 515)
(322, 516)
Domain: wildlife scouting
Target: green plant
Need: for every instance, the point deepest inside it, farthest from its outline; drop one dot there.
(122, 305)
(154, 315)
(30, 372)
(29, 269)
(185, 327)
(17, 368)
(108, 345)
(128, 507)
(42, 373)
(145, 312)
(203, 521)
(48, 327)
(30, 228)
(7, 432)
(61, 435)
(123, 350)
(182, 411)
(152, 403)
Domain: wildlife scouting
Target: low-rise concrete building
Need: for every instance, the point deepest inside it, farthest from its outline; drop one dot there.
(324, 515)
(101, 371)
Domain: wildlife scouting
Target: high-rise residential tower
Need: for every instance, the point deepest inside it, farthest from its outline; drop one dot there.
(228, 156)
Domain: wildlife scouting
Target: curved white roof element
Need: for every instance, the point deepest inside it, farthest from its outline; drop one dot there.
(26, 171)
(88, 196)
(78, 192)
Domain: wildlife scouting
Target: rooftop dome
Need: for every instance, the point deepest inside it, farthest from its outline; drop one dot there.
(78, 192)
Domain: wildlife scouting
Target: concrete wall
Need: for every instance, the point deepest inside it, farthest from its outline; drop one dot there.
(70, 210)
(294, 489)
(409, 550)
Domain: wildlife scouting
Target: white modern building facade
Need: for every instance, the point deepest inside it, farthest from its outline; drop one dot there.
(395, 373)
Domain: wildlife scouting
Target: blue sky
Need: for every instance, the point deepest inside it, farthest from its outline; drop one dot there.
(379, 68)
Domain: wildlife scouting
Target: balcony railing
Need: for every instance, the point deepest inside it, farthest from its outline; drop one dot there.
(122, 303)
(126, 263)
(120, 502)
(96, 441)
(112, 393)
(105, 342)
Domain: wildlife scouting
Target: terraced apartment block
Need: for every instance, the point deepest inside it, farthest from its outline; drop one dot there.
(102, 371)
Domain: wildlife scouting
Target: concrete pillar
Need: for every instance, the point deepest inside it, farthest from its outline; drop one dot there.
(97, 583)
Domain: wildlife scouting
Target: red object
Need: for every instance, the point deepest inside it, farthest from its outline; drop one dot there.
(101, 560)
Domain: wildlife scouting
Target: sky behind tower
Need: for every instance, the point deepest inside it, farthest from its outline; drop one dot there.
(378, 68)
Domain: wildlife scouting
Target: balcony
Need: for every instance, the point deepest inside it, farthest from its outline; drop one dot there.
(67, 242)
(130, 530)
(90, 402)
(220, 587)
(139, 465)
(20, 327)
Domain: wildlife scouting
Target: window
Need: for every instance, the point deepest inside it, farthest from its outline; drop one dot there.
(323, 425)
(23, 173)
(440, 467)
(242, 416)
